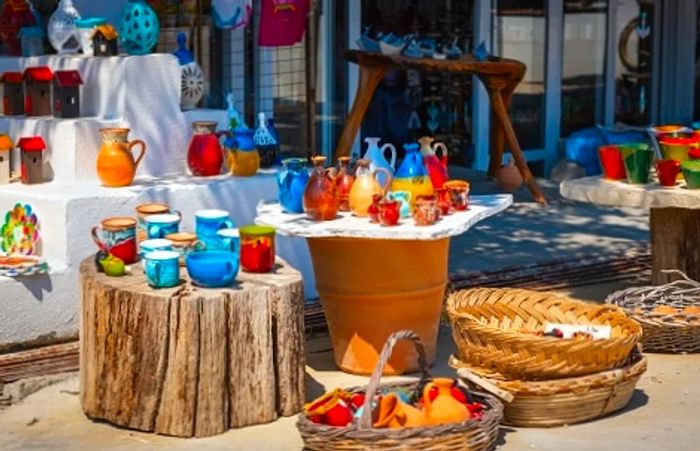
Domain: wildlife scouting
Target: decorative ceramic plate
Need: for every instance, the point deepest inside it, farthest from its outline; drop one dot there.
(20, 232)
(22, 266)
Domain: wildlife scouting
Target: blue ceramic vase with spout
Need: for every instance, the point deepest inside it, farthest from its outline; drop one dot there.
(291, 182)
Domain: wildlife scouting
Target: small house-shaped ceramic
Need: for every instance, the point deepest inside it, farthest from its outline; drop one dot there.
(32, 168)
(104, 40)
(13, 93)
(5, 155)
(38, 91)
(66, 93)
(32, 39)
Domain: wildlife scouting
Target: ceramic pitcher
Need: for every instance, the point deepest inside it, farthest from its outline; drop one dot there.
(375, 155)
(291, 182)
(205, 154)
(115, 162)
(344, 182)
(242, 156)
(439, 406)
(412, 176)
(437, 166)
(321, 201)
(365, 186)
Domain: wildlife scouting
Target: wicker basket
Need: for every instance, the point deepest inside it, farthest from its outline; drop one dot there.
(472, 435)
(561, 401)
(493, 331)
(669, 314)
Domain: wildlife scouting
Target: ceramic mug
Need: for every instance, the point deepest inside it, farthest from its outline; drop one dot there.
(405, 198)
(257, 248)
(184, 243)
(389, 212)
(156, 244)
(144, 210)
(212, 269)
(208, 223)
(230, 240)
(691, 173)
(373, 209)
(459, 194)
(611, 161)
(667, 172)
(118, 237)
(638, 158)
(158, 226)
(444, 201)
(427, 211)
(162, 268)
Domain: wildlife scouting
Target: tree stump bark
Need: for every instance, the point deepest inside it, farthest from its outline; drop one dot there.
(188, 361)
(675, 243)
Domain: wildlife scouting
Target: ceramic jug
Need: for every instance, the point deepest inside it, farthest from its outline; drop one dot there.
(366, 185)
(393, 413)
(205, 154)
(437, 166)
(115, 162)
(344, 182)
(440, 406)
(412, 176)
(291, 182)
(321, 199)
(242, 156)
(375, 155)
(404, 198)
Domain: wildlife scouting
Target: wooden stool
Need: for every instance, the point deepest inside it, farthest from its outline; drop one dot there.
(191, 362)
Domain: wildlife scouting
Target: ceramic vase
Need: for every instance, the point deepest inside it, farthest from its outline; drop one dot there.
(509, 178)
(116, 165)
(344, 182)
(376, 156)
(437, 166)
(242, 156)
(205, 154)
(412, 176)
(291, 182)
(321, 201)
(366, 185)
(63, 34)
(139, 27)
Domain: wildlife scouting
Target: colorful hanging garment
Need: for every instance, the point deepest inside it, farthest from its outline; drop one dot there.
(231, 14)
(282, 22)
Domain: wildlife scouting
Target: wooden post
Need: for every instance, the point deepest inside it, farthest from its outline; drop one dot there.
(675, 243)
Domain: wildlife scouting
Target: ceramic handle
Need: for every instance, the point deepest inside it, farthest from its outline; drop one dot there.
(393, 154)
(141, 154)
(331, 173)
(389, 177)
(96, 238)
(442, 147)
(199, 246)
(178, 213)
(228, 224)
(221, 133)
(229, 269)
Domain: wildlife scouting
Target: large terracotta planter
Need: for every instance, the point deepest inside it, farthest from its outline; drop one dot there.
(371, 288)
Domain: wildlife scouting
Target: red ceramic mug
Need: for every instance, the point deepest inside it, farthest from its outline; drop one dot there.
(667, 171)
(611, 161)
(389, 212)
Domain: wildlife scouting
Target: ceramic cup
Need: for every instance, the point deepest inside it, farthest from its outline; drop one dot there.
(118, 237)
(405, 198)
(184, 243)
(257, 248)
(444, 201)
(212, 269)
(230, 240)
(691, 173)
(427, 211)
(667, 172)
(158, 226)
(389, 212)
(638, 158)
(459, 194)
(208, 223)
(144, 210)
(162, 268)
(157, 244)
(611, 161)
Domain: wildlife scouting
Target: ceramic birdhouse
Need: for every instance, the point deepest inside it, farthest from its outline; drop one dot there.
(32, 167)
(12, 93)
(5, 158)
(32, 39)
(37, 98)
(66, 93)
(104, 40)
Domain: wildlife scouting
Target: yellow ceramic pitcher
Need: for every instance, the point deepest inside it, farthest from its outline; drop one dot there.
(365, 186)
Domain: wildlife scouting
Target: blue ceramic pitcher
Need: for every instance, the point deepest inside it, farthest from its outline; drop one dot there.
(291, 182)
(412, 175)
(375, 155)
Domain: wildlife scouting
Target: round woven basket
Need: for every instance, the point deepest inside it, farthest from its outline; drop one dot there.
(494, 330)
(472, 435)
(669, 314)
(561, 401)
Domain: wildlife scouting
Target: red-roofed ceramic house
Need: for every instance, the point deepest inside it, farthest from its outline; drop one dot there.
(32, 149)
(37, 85)
(66, 93)
(13, 93)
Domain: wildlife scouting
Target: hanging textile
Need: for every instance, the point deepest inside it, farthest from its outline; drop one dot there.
(282, 22)
(232, 14)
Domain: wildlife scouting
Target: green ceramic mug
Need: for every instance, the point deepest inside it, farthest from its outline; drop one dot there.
(638, 158)
(691, 173)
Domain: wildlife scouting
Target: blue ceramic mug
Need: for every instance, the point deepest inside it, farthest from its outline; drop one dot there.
(230, 239)
(208, 223)
(405, 198)
(162, 268)
(157, 244)
(158, 226)
(212, 269)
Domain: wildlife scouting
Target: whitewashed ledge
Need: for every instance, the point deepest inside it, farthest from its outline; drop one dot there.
(349, 226)
(600, 191)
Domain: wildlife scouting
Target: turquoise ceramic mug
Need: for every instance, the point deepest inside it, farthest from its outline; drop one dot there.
(405, 198)
(208, 223)
(156, 244)
(162, 268)
(230, 239)
(158, 226)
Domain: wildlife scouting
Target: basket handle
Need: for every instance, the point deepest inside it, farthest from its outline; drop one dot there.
(366, 418)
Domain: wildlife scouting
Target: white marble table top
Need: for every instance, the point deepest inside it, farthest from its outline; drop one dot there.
(598, 190)
(349, 226)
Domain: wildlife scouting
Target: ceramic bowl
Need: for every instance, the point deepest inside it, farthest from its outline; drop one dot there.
(212, 269)
(691, 173)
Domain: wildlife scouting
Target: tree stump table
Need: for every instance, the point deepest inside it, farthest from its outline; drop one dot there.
(189, 361)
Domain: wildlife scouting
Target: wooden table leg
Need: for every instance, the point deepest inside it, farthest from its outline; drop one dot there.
(675, 243)
(369, 80)
(497, 143)
(499, 108)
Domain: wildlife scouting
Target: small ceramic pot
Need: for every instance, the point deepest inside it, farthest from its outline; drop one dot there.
(444, 201)
(184, 243)
(405, 198)
(162, 269)
(389, 212)
(157, 244)
(427, 211)
(231, 240)
(459, 194)
(667, 172)
(158, 226)
(373, 210)
(212, 269)
(691, 173)
(611, 161)
(118, 237)
(638, 158)
(144, 210)
(257, 248)
(207, 223)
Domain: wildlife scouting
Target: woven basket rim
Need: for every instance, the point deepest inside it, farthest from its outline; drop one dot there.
(675, 320)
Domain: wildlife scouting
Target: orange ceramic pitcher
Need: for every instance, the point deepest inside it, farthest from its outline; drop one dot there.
(393, 413)
(321, 200)
(115, 162)
(366, 185)
(439, 406)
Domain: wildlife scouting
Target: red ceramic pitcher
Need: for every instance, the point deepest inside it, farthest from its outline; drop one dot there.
(436, 166)
(205, 154)
(611, 160)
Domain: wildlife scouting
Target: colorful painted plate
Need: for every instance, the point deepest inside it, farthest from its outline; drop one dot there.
(22, 266)
(20, 232)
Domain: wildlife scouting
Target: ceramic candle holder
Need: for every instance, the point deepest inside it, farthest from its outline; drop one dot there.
(667, 172)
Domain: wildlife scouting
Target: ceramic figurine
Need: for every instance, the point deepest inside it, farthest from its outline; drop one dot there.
(32, 167)
(235, 119)
(212, 269)
(437, 166)
(86, 28)
(162, 269)
(428, 47)
(344, 182)
(205, 155)
(321, 199)
(481, 53)
(207, 225)
(104, 40)
(37, 91)
(192, 79)
(413, 49)
(32, 40)
(116, 165)
(13, 93)
(66, 93)
(118, 237)
(242, 156)
(412, 176)
(376, 157)
(291, 182)
(366, 43)
(63, 34)
(405, 199)
(139, 27)
(392, 44)
(439, 406)
(453, 52)
(265, 142)
(16, 14)
(257, 248)
(365, 186)
(6, 146)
